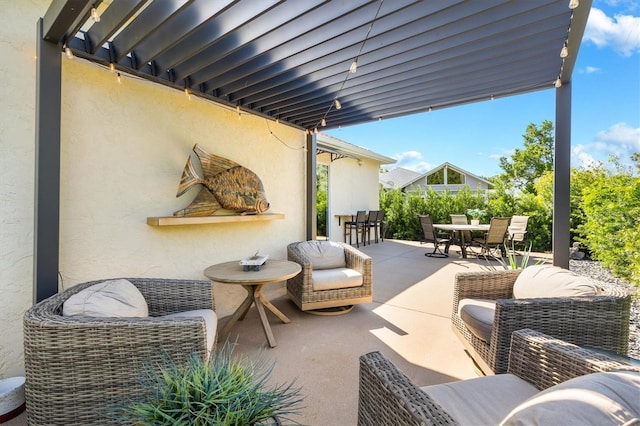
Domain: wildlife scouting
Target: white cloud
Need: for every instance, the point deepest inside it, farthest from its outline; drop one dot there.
(591, 70)
(621, 33)
(620, 140)
(412, 160)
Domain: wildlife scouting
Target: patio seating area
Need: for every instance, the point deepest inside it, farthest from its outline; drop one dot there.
(409, 322)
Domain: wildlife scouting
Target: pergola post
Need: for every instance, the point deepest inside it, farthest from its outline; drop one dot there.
(312, 218)
(46, 251)
(562, 178)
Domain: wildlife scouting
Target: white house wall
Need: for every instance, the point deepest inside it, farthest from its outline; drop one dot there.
(123, 148)
(352, 187)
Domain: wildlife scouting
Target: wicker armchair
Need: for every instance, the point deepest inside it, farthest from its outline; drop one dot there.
(80, 369)
(598, 321)
(388, 397)
(301, 289)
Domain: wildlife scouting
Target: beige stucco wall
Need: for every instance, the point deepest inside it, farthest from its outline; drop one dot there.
(124, 146)
(17, 129)
(352, 187)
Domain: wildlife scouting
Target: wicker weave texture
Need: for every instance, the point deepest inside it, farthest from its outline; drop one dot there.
(300, 287)
(599, 321)
(80, 370)
(388, 397)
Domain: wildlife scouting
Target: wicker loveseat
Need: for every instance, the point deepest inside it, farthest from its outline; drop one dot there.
(598, 320)
(318, 285)
(79, 368)
(537, 362)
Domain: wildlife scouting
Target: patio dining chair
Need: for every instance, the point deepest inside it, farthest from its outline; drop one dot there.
(431, 236)
(494, 238)
(374, 221)
(359, 225)
(461, 219)
(518, 230)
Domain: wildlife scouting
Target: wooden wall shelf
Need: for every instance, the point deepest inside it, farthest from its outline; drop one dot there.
(203, 220)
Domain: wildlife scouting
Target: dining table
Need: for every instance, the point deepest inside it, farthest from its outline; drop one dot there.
(458, 228)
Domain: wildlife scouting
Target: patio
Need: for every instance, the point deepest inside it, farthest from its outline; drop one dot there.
(408, 321)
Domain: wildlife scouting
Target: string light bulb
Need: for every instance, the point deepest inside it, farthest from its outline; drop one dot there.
(323, 123)
(112, 67)
(558, 83)
(337, 103)
(574, 3)
(564, 52)
(68, 52)
(94, 15)
(354, 66)
(119, 78)
(187, 92)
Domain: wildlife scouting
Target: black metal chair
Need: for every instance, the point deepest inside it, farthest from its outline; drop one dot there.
(373, 224)
(359, 225)
(431, 236)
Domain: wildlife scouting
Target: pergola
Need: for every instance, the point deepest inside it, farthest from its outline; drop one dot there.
(312, 65)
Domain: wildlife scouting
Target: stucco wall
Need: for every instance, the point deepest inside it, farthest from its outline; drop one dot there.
(17, 129)
(124, 146)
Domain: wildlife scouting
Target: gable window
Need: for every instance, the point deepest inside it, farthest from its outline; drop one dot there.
(436, 178)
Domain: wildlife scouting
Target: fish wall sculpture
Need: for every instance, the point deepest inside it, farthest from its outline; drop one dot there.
(225, 185)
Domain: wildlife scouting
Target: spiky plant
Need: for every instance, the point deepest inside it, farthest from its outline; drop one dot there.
(229, 390)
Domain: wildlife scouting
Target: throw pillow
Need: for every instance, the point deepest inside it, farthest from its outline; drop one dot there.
(594, 399)
(551, 281)
(113, 298)
(323, 254)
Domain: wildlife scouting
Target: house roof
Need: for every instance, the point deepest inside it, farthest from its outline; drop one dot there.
(398, 177)
(339, 148)
(450, 166)
(290, 60)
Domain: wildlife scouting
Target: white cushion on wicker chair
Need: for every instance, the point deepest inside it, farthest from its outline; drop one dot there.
(323, 254)
(210, 320)
(596, 399)
(332, 279)
(478, 316)
(551, 281)
(483, 400)
(112, 298)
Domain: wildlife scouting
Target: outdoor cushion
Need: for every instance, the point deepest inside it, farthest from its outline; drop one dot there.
(113, 298)
(331, 279)
(551, 281)
(595, 399)
(482, 400)
(478, 315)
(210, 320)
(323, 254)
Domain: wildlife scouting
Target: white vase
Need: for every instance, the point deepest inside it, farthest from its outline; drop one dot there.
(475, 221)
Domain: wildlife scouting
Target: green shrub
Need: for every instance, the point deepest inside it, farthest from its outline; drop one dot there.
(611, 224)
(229, 391)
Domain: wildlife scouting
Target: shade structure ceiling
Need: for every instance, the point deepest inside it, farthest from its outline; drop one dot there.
(290, 60)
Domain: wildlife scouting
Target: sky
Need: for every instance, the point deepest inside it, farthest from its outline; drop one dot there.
(605, 109)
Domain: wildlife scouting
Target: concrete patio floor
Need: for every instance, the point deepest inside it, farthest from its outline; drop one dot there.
(408, 321)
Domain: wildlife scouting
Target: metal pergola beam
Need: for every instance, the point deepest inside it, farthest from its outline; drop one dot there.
(562, 178)
(46, 251)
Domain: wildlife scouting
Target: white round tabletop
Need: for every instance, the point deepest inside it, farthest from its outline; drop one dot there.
(233, 273)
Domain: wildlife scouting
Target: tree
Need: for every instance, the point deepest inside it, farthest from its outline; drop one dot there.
(526, 165)
(635, 157)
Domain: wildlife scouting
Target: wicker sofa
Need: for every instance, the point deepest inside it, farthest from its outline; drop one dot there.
(320, 256)
(80, 369)
(599, 321)
(387, 396)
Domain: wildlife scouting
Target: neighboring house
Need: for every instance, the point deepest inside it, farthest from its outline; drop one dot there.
(447, 176)
(398, 178)
(353, 180)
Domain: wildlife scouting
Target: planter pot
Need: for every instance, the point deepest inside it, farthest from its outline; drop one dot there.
(11, 398)
(475, 221)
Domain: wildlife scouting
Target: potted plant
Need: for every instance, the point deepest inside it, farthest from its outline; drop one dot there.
(227, 390)
(476, 215)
